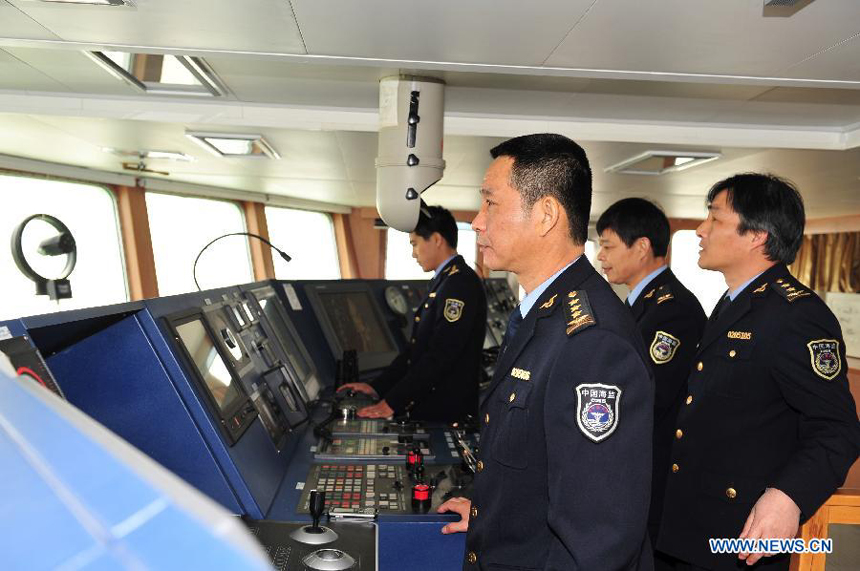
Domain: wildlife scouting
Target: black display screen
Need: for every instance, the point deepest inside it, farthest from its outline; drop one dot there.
(354, 321)
(213, 370)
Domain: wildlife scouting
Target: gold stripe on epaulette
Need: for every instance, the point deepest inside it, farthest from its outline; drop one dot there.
(432, 295)
(665, 297)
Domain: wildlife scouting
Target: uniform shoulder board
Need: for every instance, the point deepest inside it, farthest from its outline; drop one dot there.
(579, 314)
(790, 289)
(664, 293)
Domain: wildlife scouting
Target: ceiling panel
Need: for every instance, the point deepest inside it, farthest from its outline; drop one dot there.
(256, 25)
(16, 24)
(724, 37)
(15, 74)
(842, 62)
(798, 115)
(478, 31)
(74, 70)
(279, 82)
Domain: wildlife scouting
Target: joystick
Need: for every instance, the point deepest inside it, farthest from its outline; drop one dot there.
(328, 560)
(421, 498)
(315, 534)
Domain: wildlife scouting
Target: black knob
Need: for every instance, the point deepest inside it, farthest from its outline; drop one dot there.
(385, 450)
(398, 485)
(316, 505)
(405, 439)
(419, 473)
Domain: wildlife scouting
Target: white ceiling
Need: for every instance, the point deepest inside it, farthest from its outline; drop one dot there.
(620, 76)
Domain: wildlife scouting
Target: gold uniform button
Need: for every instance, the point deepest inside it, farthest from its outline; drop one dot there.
(412, 341)
(479, 466)
(700, 366)
(679, 434)
(689, 399)
(472, 558)
(675, 468)
(731, 493)
(426, 305)
(512, 397)
(417, 319)
(473, 512)
(732, 353)
(487, 418)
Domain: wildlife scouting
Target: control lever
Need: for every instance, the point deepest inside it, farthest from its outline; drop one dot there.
(315, 534)
(465, 451)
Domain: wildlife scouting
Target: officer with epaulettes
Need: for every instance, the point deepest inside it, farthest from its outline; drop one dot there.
(436, 378)
(634, 242)
(563, 472)
(768, 429)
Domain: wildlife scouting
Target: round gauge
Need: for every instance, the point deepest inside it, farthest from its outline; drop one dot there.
(396, 300)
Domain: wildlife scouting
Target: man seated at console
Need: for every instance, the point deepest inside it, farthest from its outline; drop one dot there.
(436, 377)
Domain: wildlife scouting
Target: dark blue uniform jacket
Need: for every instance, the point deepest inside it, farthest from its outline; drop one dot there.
(565, 458)
(768, 405)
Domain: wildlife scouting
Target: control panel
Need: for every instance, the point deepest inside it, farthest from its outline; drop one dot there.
(376, 427)
(390, 489)
(387, 447)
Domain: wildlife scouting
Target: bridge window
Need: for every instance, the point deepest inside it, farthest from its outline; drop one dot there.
(308, 237)
(181, 226)
(89, 212)
(706, 285)
(399, 264)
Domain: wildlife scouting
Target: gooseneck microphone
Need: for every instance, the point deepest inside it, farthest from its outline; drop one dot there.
(280, 252)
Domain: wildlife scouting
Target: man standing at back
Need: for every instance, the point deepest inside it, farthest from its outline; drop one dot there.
(436, 378)
(564, 469)
(768, 429)
(634, 241)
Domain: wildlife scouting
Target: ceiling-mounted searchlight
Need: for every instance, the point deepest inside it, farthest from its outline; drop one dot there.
(410, 146)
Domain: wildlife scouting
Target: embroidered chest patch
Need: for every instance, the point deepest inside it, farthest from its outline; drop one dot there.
(663, 347)
(824, 355)
(453, 309)
(597, 410)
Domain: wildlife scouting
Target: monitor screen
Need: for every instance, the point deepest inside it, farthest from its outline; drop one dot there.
(213, 370)
(355, 321)
(299, 360)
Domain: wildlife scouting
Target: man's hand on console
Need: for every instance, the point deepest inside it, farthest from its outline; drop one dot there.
(378, 410)
(359, 388)
(460, 506)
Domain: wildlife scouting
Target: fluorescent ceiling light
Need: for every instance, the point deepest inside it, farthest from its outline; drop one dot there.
(234, 145)
(162, 74)
(155, 155)
(655, 163)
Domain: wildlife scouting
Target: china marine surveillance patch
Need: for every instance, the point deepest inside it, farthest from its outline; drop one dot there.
(597, 410)
(663, 347)
(824, 355)
(453, 309)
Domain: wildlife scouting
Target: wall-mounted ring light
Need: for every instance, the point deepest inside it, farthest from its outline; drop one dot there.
(61, 244)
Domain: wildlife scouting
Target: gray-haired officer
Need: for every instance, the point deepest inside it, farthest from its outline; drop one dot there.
(634, 241)
(768, 429)
(564, 468)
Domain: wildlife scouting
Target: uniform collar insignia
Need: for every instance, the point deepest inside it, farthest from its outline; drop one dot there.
(453, 270)
(649, 294)
(579, 314)
(761, 289)
(548, 303)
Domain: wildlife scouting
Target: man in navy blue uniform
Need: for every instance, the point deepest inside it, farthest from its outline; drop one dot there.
(564, 467)
(436, 378)
(634, 241)
(768, 429)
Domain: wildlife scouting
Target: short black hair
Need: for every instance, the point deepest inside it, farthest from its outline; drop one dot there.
(766, 203)
(549, 164)
(437, 219)
(634, 218)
